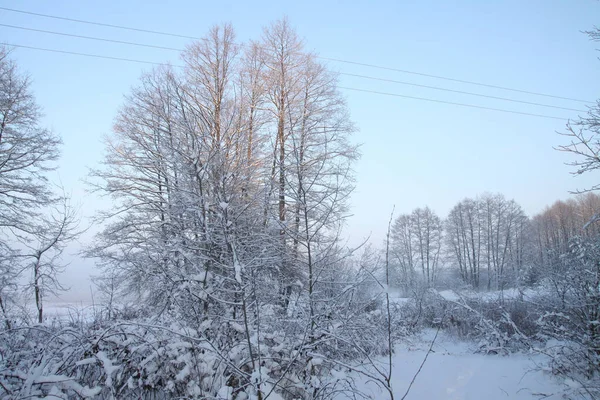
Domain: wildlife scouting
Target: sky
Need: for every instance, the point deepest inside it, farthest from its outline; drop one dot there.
(415, 153)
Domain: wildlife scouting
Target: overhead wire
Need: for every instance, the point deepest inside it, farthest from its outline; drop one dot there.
(76, 53)
(91, 38)
(81, 21)
(449, 102)
(459, 91)
(464, 81)
(341, 73)
(455, 80)
(340, 87)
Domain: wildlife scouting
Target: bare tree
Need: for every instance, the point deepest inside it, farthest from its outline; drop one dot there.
(45, 246)
(403, 254)
(489, 234)
(231, 179)
(416, 243)
(505, 239)
(554, 229)
(465, 233)
(283, 59)
(584, 136)
(427, 228)
(27, 152)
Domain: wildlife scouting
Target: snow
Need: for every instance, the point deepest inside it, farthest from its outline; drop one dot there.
(86, 361)
(506, 294)
(225, 393)
(449, 295)
(395, 296)
(69, 311)
(181, 375)
(109, 368)
(454, 372)
(238, 272)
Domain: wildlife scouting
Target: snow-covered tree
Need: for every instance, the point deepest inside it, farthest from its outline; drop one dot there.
(28, 151)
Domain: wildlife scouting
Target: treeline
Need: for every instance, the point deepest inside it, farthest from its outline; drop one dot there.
(489, 242)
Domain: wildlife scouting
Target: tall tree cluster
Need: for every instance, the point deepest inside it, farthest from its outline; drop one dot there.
(484, 239)
(230, 182)
(416, 246)
(245, 154)
(488, 234)
(490, 242)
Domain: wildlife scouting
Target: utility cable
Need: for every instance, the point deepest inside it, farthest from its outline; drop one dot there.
(340, 87)
(341, 73)
(320, 57)
(454, 80)
(75, 53)
(81, 21)
(449, 102)
(91, 38)
(459, 91)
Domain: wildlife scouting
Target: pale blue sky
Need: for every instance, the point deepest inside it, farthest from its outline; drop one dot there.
(415, 153)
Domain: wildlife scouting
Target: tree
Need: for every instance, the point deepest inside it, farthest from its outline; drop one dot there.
(465, 234)
(488, 233)
(403, 255)
(427, 227)
(229, 179)
(284, 59)
(27, 153)
(416, 243)
(554, 230)
(45, 246)
(583, 134)
(505, 240)
(568, 241)
(27, 150)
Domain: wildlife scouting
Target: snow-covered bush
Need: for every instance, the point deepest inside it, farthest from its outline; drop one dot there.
(570, 320)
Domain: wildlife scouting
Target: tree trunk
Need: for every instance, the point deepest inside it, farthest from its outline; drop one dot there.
(37, 288)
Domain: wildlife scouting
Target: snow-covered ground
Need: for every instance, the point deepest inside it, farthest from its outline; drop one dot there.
(67, 311)
(507, 294)
(453, 372)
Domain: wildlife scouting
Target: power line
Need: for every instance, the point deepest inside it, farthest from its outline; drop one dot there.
(320, 57)
(340, 87)
(100, 24)
(342, 73)
(75, 53)
(460, 91)
(450, 102)
(91, 38)
(453, 79)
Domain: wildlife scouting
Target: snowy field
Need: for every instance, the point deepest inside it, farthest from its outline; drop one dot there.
(453, 372)
(66, 312)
